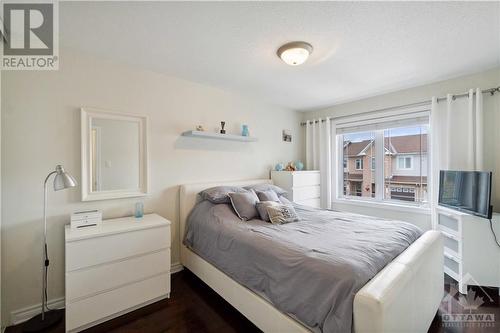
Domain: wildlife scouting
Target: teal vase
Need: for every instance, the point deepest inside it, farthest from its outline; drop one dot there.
(244, 130)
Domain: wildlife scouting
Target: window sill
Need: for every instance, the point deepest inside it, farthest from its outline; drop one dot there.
(384, 205)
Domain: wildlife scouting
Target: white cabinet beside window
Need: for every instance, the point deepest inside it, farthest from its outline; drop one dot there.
(471, 256)
(303, 187)
(116, 268)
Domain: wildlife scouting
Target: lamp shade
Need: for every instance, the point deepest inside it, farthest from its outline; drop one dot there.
(295, 53)
(63, 179)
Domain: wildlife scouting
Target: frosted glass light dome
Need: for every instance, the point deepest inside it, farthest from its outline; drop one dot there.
(295, 53)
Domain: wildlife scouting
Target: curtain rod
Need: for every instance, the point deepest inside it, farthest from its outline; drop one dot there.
(490, 91)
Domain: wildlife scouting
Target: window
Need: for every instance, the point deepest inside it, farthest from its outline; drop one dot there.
(359, 164)
(358, 147)
(405, 162)
(406, 155)
(397, 155)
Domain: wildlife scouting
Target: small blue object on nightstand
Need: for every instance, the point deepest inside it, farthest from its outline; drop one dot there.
(279, 167)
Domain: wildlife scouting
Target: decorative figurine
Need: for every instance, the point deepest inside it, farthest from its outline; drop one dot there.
(279, 167)
(244, 130)
(222, 124)
(299, 165)
(290, 167)
(200, 128)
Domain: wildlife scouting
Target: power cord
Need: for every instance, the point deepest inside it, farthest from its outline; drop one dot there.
(493, 232)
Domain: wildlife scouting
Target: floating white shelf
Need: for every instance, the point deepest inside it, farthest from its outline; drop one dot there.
(210, 135)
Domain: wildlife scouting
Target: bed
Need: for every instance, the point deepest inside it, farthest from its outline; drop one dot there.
(402, 297)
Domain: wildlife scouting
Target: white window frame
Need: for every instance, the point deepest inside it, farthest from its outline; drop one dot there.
(372, 162)
(360, 160)
(338, 181)
(404, 157)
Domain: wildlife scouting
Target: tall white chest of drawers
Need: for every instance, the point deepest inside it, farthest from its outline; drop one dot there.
(303, 187)
(116, 268)
(471, 256)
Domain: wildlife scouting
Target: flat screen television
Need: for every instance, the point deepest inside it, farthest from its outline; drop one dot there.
(467, 191)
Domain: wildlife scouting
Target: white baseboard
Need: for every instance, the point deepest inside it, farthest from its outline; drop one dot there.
(21, 315)
(176, 267)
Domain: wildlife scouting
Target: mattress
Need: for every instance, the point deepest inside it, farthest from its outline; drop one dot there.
(309, 269)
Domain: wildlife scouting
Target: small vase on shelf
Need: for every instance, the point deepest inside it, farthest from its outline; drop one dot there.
(244, 130)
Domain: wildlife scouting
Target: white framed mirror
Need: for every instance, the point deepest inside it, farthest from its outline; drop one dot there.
(114, 155)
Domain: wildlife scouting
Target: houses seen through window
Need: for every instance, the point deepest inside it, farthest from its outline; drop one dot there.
(359, 151)
(406, 171)
(405, 163)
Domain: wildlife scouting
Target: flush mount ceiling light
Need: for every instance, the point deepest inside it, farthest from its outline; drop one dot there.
(295, 53)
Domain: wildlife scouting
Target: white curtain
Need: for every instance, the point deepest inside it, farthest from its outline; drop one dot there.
(456, 137)
(320, 142)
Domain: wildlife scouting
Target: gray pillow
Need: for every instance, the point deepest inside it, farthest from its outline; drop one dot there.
(244, 204)
(267, 195)
(262, 209)
(281, 214)
(266, 187)
(219, 194)
(285, 201)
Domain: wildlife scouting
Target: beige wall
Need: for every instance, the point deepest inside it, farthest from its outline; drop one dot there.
(483, 80)
(41, 128)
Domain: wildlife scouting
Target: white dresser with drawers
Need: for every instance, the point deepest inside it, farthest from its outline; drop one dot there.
(471, 256)
(303, 187)
(116, 268)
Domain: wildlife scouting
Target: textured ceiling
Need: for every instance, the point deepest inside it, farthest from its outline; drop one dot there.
(360, 48)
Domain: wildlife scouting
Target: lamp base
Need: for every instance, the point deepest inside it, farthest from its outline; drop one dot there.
(36, 324)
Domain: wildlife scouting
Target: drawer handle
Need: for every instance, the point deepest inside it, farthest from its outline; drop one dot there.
(449, 256)
(450, 236)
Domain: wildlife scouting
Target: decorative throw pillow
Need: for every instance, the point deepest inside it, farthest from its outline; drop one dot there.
(262, 209)
(244, 204)
(269, 195)
(281, 214)
(266, 187)
(219, 194)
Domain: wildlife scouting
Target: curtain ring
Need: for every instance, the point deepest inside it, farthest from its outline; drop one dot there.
(453, 97)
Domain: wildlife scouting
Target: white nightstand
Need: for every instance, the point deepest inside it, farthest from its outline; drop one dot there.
(116, 268)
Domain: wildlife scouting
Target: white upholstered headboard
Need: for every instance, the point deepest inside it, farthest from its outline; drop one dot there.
(187, 198)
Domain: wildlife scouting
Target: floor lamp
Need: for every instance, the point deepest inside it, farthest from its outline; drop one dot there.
(48, 317)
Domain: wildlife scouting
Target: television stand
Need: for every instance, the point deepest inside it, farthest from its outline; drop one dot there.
(471, 256)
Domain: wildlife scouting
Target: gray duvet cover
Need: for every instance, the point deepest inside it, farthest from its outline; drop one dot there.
(310, 269)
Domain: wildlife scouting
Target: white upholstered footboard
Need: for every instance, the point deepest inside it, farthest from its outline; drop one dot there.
(403, 297)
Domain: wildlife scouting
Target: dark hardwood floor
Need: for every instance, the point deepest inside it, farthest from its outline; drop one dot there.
(194, 307)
